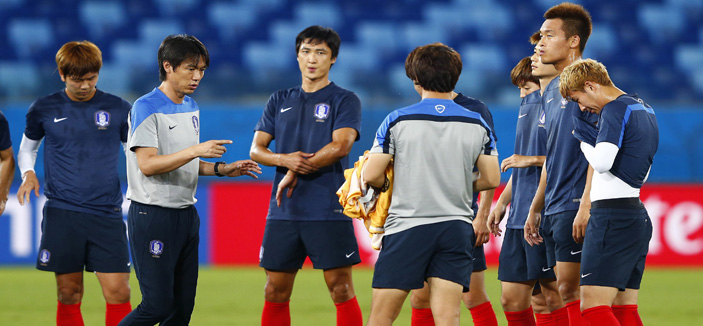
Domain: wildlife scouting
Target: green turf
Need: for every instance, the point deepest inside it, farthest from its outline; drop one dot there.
(234, 296)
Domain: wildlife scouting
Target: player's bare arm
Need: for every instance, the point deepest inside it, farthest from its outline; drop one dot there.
(374, 174)
(584, 212)
(534, 217)
(521, 161)
(234, 169)
(488, 173)
(297, 162)
(151, 163)
(480, 223)
(498, 213)
(7, 172)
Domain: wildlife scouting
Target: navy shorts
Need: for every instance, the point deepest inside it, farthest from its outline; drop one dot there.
(557, 231)
(441, 250)
(520, 262)
(479, 259)
(615, 247)
(72, 241)
(329, 244)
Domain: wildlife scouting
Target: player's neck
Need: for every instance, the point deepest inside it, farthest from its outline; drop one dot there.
(544, 82)
(314, 85)
(171, 93)
(610, 93)
(437, 95)
(570, 58)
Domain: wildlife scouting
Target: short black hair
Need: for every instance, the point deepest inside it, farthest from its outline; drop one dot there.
(317, 34)
(178, 48)
(436, 67)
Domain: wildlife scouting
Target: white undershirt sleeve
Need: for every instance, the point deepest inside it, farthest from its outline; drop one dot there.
(600, 157)
(27, 155)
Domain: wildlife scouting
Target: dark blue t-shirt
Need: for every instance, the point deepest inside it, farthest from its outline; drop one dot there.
(82, 143)
(630, 123)
(477, 106)
(300, 121)
(530, 140)
(566, 166)
(5, 141)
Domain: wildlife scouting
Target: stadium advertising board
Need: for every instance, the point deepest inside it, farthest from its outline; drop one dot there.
(233, 217)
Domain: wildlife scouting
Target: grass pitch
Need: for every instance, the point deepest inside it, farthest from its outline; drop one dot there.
(234, 296)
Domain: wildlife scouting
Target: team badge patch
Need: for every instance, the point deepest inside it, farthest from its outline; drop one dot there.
(322, 111)
(156, 248)
(102, 119)
(440, 108)
(196, 125)
(564, 102)
(44, 256)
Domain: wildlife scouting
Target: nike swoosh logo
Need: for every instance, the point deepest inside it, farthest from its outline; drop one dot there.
(350, 254)
(575, 252)
(59, 120)
(585, 275)
(522, 115)
(549, 100)
(169, 127)
(286, 109)
(546, 269)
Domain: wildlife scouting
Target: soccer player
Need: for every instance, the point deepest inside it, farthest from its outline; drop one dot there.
(163, 165)
(476, 300)
(523, 269)
(428, 236)
(82, 226)
(7, 162)
(621, 151)
(315, 126)
(565, 180)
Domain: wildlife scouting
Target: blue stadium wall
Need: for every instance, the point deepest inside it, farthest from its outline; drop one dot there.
(678, 161)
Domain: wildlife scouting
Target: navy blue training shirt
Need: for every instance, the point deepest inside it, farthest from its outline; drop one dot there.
(566, 166)
(477, 106)
(530, 140)
(300, 121)
(5, 141)
(82, 142)
(630, 123)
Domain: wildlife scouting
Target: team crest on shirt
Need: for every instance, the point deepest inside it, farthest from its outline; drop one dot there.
(102, 119)
(440, 108)
(564, 102)
(196, 125)
(156, 248)
(322, 111)
(44, 256)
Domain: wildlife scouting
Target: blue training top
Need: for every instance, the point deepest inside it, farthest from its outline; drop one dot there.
(530, 140)
(477, 106)
(630, 123)
(300, 121)
(5, 141)
(566, 166)
(81, 150)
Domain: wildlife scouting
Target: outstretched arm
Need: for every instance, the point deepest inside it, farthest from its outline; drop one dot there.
(151, 163)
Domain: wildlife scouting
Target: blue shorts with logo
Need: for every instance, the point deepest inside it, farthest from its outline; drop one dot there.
(329, 244)
(72, 241)
(520, 262)
(443, 250)
(557, 231)
(616, 244)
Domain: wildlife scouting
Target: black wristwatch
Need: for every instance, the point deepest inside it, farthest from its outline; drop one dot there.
(217, 169)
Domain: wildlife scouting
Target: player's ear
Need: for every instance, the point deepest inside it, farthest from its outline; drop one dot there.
(63, 78)
(168, 67)
(575, 41)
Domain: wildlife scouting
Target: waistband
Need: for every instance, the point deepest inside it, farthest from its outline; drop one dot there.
(628, 203)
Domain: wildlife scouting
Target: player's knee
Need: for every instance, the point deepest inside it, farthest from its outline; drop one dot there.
(539, 304)
(278, 294)
(117, 295)
(71, 294)
(156, 309)
(568, 291)
(474, 299)
(418, 300)
(341, 292)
